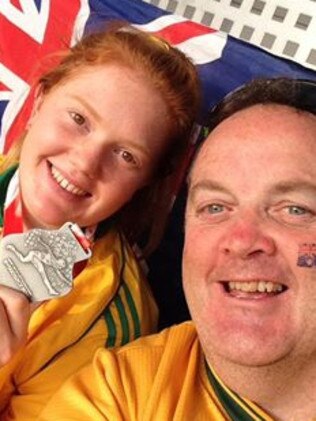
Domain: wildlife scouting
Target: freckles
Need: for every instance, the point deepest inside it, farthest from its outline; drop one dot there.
(306, 255)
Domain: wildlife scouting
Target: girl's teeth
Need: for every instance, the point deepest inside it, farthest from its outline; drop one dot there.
(255, 286)
(65, 184)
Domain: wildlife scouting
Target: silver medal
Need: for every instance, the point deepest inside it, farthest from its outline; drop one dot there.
(40, 263)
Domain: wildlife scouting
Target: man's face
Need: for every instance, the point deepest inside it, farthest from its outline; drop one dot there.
(251, 205)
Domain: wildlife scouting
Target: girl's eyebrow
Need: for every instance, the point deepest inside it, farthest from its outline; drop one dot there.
(134, 145)
(90, 108)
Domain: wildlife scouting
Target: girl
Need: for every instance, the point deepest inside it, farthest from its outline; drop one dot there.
(110, 124)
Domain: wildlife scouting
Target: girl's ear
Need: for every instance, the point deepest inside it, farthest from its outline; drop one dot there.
(38, 99)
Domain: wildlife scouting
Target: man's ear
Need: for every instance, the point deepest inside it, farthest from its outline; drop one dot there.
(38, 99)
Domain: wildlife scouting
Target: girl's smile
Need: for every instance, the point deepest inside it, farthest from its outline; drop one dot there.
(92, 143)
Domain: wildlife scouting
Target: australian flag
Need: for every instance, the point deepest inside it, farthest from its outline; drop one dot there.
(31, 29)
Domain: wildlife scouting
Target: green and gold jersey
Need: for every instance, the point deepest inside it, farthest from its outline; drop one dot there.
(162, 377)
(110, 305)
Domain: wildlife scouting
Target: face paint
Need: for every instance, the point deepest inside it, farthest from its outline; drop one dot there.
(307, 255)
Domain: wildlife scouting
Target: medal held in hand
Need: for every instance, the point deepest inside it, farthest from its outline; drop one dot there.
(40, 262)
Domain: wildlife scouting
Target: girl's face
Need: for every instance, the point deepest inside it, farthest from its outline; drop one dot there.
(92, 142)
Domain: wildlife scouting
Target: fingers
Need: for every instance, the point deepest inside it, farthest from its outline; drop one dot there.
(15, 311)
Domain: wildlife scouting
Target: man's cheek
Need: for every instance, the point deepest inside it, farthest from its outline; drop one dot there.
(194, 250)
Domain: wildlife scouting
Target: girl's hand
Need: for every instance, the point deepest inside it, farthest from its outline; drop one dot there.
(15, 312)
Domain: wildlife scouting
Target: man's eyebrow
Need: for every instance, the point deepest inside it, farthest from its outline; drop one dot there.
(205, 185)
(283, 187)
(291, 186)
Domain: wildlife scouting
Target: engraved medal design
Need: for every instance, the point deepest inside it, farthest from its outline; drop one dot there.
(40, 263)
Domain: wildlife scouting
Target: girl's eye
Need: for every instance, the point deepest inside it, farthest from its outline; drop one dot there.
(127, 157)
(77, 118)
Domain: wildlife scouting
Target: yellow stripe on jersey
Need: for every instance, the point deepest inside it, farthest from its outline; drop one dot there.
(121, 316)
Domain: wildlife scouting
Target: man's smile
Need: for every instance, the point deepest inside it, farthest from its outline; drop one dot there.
(253, 288)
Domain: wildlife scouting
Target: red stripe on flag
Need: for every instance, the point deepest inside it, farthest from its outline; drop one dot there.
(3, 87)
(27, 52)
(17, 4)
(181, 31)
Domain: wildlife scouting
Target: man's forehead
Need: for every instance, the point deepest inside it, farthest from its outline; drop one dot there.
(259, 122)
(204, 156)
(281, 157)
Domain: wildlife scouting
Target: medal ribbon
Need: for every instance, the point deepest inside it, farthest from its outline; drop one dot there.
(13, 221)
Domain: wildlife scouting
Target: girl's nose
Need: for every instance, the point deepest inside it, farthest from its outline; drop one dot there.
(88, 158)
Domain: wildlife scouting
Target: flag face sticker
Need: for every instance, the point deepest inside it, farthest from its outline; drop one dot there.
(32, 29)
(307, 255)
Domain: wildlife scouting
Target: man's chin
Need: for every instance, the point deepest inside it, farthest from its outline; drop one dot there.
(249, 352)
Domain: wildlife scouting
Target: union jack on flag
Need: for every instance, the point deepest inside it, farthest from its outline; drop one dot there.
(31, 29)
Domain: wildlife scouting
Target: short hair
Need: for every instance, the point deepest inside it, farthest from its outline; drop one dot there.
(299, 94)
(296, 93)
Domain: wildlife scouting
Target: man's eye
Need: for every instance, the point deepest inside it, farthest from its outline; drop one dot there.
(295, 215)
(77, 118)
(297, 210)
(214, 208)
(213, 213)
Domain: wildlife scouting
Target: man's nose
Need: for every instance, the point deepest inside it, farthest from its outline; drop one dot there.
(248, 236)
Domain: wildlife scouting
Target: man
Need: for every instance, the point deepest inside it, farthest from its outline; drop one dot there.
(250, 352)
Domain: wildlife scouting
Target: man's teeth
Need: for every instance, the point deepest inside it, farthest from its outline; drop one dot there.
(65, 184)
(255, 286)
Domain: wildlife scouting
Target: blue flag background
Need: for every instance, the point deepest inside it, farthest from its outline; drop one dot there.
(238, 63)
